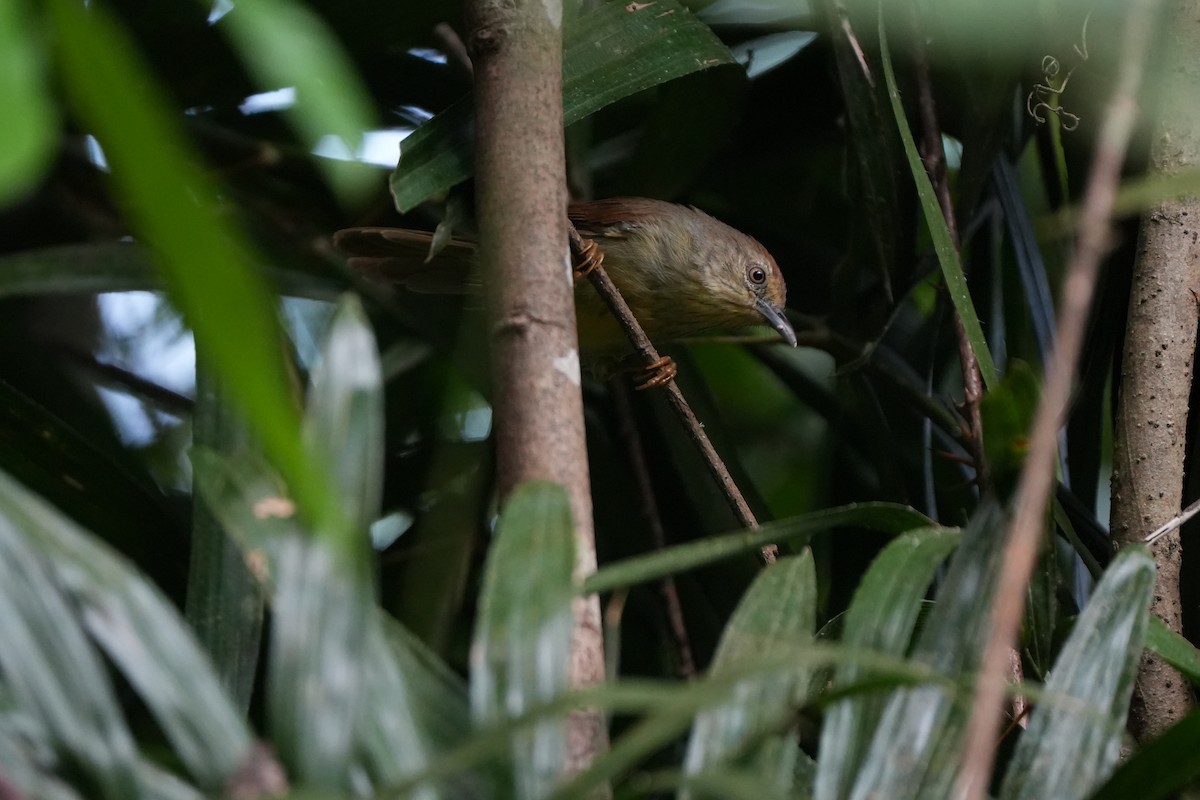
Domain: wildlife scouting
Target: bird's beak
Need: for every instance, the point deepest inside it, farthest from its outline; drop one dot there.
(776, 320)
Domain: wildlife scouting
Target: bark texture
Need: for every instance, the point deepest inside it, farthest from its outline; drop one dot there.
(516, 46)
(1152, 407)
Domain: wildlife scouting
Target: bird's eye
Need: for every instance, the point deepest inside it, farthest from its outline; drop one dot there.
(757, 274)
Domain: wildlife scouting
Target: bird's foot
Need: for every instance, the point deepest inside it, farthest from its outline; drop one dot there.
(587, 258)
(657, 374)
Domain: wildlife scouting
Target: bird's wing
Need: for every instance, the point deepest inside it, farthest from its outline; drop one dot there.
(615, 217)
(398, 256)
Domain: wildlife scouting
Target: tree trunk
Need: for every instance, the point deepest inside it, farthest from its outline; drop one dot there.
(516, 46)
(1152, 407)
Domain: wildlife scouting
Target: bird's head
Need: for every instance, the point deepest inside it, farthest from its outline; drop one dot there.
(743, 280)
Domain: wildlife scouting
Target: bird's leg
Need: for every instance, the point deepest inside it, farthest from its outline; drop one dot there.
(588, 256)
(657, 374)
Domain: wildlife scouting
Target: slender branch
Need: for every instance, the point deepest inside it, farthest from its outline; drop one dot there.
(645, 348)
(1037, 476)
(641, 478)
(935, 164)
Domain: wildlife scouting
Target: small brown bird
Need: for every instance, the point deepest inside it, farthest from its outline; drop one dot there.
(682, 272)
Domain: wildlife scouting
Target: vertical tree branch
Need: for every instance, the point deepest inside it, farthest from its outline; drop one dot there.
(1037, 476)
(1149, 442)
(516, 47)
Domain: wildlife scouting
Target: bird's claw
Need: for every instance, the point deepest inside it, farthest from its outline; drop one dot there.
(587, 258)
(657, 374)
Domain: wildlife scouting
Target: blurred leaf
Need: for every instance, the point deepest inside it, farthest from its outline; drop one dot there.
(521, 648)
(344, 418)
(287, 45)
(882, 517)
(612, 51)
(316, 672)
(205, 262)
(416, 709)
(29, 133)
(777, 612)
(1074, 735)
(1160, 767)
(1007, 411)
(411, 705)
(952, 272)
(923, 726)
(49, 669)
(881, 617)
(1173, 649)
(143, 634)
(224, 600)
(77, 269)
(97, 267)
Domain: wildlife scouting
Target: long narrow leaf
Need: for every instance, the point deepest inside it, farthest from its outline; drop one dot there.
(224, 600)
(778, 612)
(1160, 768)
(1173, 649)
(919, 737)
(952, 271)
(286, 44)
(344, 421)
(1074, 736)
(521, 648)
(881, 617)
(882, 517)
(28, 135)
(49, 669)
(204, 260)
(316, 671)
(143, 634)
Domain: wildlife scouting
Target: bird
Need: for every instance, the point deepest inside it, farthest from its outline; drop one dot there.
(682, 272)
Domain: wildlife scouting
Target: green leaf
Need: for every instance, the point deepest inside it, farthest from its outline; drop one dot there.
(316, 672)
(224, 600)
(611, 52)
(29, 134)
(415, 709)
(521, 648)
(921, 729)
(204, 260)
(1173, 649)
(143, 634)
(1159, 768)
(411, 707)
(285, 44)
(882, 517)
(881, 617)
(1007, 411)
(1074, 735)
(96, 267)
(344, 419)
(777, 613)
(50, 670)
(952, 273)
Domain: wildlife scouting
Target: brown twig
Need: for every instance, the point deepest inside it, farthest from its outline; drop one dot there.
(1037, 476)
(641, 478)
(935, 165)
(590, 251)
